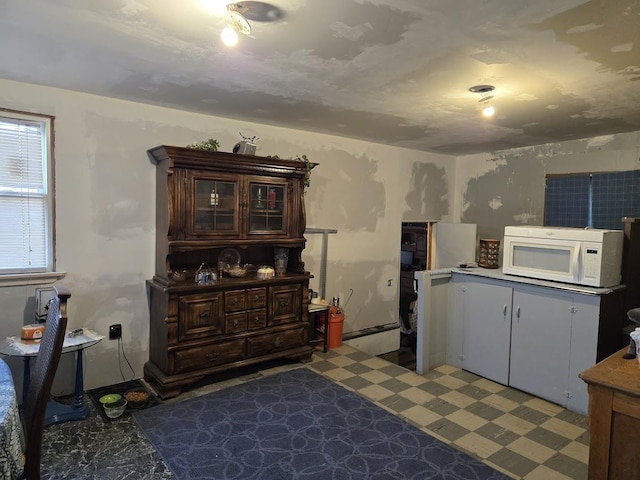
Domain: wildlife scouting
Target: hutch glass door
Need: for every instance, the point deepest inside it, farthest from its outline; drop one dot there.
(215, 207)
(267, 208)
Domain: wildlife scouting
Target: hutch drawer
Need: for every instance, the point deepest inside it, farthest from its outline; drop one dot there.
(236, 322)
(256, 319)
(235, 300)
(209, 355)
(274, 342)
(256, 297)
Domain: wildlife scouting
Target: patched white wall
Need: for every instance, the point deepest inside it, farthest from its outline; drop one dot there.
(507, 188)
(105, 223)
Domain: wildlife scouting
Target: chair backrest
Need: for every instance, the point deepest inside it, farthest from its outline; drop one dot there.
(42, 375)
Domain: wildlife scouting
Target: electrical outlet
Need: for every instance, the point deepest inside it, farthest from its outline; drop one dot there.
(115, 332)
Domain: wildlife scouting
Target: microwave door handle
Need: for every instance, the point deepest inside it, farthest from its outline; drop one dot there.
(576, 262)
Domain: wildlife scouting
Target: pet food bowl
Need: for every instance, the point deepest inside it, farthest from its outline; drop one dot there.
(115, 409)
(137, 397)
(110, 398)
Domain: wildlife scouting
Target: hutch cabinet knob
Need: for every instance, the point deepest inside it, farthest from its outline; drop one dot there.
(283, 303)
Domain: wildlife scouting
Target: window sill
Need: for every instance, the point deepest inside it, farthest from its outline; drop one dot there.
(30, 278)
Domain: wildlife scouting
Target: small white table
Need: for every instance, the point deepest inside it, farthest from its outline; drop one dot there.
(11, 435)
(56, 412)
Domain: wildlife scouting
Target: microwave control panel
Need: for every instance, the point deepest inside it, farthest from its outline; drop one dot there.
(591, 259)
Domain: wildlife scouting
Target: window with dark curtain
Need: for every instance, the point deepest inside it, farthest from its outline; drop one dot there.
(615, 195)
(567, 200)
(596, 200)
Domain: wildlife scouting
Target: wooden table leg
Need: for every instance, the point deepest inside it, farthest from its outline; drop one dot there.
(600, 412)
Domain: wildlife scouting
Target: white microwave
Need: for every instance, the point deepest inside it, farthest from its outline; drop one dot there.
(591, 257)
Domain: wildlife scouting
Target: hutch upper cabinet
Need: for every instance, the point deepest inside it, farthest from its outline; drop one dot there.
(207, 203)
(225, 206)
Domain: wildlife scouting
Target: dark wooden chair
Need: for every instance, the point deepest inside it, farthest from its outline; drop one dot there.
(42, 375)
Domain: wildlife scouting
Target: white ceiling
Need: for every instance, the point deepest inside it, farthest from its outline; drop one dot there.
(389, 71)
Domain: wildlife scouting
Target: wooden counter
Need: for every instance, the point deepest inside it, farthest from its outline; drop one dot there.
(614, 418)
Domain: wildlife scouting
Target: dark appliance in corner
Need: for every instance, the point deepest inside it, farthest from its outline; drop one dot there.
(630, 272)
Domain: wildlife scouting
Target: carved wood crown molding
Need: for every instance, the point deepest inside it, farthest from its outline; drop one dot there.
(185, 157)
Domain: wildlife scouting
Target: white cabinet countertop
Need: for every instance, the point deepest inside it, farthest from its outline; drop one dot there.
(497, 274)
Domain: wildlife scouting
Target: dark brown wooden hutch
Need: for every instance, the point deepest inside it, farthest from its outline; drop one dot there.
(208, 202)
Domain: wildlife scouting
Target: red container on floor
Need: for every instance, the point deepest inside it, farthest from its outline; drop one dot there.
(336, 323)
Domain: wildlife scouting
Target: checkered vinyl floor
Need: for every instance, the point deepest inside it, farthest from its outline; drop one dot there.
(520, 435)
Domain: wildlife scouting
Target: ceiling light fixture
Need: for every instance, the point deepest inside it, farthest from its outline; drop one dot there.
(488, 111)
(486, 96)
(237, 24)
(229, 37)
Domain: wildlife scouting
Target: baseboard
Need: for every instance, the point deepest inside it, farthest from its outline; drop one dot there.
(376, 340)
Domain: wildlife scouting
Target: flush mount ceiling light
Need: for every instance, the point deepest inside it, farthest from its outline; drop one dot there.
(486, 96)
(237, 19)
(237, 24)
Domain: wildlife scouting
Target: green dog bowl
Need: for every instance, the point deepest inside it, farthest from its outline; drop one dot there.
(110, 398)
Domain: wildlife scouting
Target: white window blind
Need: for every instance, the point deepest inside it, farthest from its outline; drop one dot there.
(25, 204)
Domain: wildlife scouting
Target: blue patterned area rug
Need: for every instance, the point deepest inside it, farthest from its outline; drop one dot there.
(298, 425)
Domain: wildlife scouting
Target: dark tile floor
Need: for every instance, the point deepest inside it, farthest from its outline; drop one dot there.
(520, 435)
(405, 356)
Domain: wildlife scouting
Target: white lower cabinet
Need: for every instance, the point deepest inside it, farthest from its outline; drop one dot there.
(486, 329)
(541, 343)
(536, 339)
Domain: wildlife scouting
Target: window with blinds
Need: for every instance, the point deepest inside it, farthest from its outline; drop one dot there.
(594, 200)
(26, 233)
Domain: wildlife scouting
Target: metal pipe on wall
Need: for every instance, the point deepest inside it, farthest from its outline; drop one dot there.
(323, 256)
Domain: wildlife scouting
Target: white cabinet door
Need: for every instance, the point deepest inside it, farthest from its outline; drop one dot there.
(540, 342)
(584, 347)
(487, 330)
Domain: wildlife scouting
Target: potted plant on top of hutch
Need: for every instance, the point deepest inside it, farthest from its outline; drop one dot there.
(219, 208)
